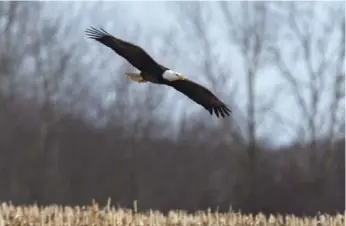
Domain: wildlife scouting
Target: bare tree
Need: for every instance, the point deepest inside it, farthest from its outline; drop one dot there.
(244, 31)
(249, 28)
(311, 62)
(15, 16)
(337, 104)
(135, 109)
(207, 65)
(38, 67)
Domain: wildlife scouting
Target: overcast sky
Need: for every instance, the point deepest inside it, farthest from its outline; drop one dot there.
(155, 18)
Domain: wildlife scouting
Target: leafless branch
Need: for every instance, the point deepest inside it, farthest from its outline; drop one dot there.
(318, 64)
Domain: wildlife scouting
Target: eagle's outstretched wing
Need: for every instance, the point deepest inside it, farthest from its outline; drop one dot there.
(202, 96)
(134, 54)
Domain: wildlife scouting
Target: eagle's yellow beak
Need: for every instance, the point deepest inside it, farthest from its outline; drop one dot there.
(180, 77)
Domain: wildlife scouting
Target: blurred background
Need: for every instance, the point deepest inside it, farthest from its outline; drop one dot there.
(73, 127)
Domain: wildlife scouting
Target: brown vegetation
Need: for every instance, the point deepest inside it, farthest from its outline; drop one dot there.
(56, 215)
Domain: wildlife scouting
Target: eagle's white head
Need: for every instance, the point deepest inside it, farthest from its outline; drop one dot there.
(172, 76)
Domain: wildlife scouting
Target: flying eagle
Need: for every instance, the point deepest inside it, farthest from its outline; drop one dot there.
(153, 72)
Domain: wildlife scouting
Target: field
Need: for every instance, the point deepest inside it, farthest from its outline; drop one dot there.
(94, 215)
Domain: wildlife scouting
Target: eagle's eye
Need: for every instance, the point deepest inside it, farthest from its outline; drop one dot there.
(179, 76)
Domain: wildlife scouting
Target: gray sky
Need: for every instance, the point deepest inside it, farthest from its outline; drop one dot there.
(157, 18)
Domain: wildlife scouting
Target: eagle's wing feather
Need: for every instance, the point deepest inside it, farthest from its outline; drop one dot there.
(202, 96)
(134, 54)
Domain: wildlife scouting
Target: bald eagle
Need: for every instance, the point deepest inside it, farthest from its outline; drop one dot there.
(153, 72)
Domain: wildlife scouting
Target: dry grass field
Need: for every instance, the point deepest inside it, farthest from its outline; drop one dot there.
(94, 215)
